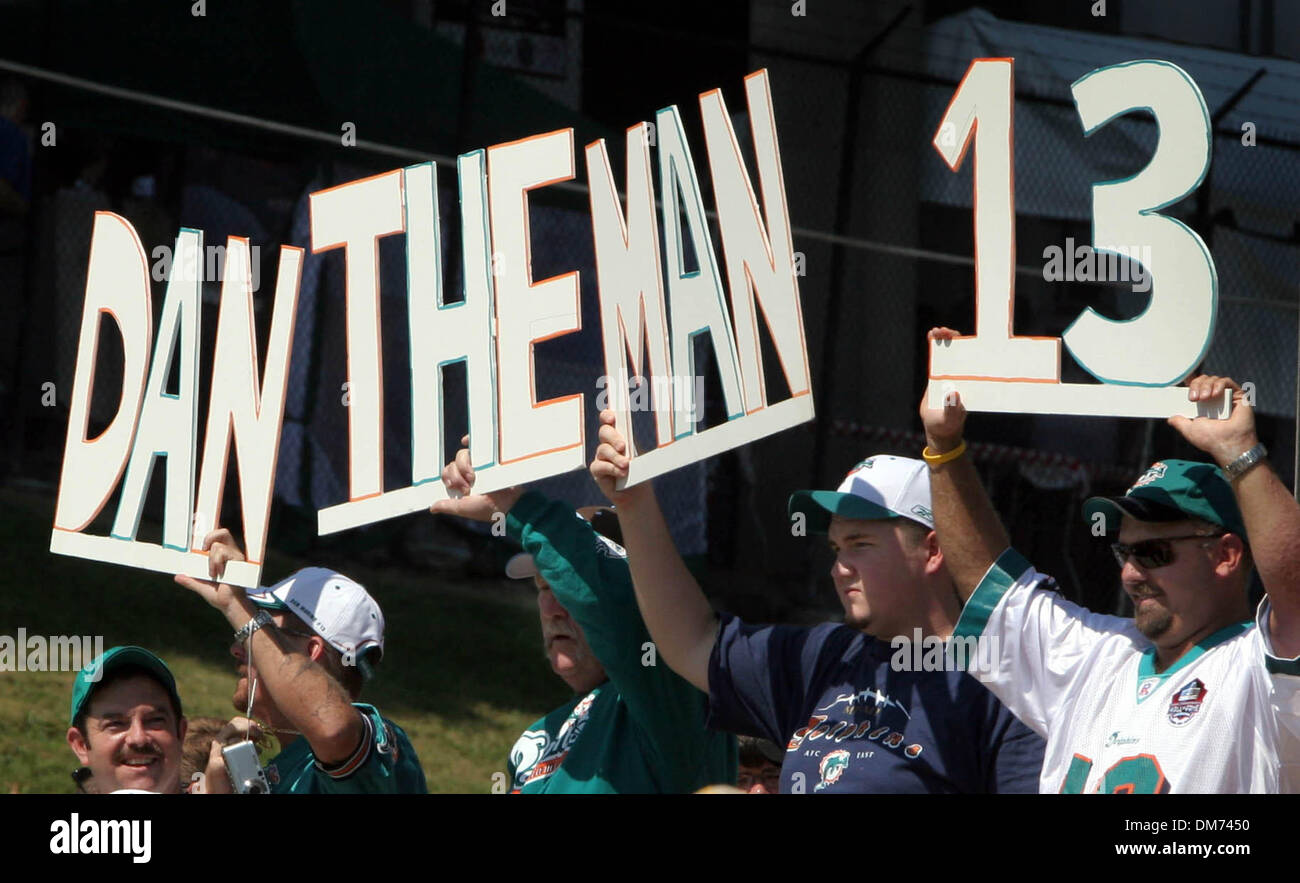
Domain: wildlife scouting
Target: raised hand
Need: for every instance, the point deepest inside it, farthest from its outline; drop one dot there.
(458, 477)
(1224, 440)
(943, 426)
(221, 549)
(611, 462)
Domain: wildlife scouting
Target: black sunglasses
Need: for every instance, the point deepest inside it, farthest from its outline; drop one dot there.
(1154, 553)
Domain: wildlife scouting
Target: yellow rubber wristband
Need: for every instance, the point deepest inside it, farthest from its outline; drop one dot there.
(935, 459)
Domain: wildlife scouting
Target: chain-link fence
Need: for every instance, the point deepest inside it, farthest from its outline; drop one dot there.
(883, 233)
(890, 245)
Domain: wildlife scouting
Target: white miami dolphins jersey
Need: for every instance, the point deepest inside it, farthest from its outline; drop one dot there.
(1224, 718)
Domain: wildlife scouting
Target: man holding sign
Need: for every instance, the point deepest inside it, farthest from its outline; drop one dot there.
(854, 715)
(1192, 695)
(633, 725)
(304, 647)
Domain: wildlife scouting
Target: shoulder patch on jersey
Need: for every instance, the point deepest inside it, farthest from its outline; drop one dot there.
(1187, 702)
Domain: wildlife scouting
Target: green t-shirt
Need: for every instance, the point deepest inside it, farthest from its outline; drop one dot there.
(642, 730)
(384, 763)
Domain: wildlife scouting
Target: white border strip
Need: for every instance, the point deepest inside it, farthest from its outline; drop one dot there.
(723, 437)
(150, 556)
(419, 497)
(1082, 399)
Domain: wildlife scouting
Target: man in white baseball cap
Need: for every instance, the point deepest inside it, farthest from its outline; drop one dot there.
(305, 648)
(846, 701)
(880, 525)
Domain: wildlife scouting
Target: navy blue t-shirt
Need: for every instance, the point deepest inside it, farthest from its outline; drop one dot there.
(851, 724)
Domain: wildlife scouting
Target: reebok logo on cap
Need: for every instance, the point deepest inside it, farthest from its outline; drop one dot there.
(881, 486)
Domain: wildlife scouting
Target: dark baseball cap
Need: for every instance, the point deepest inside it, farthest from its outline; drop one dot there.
(1173, 490)
(84, 684)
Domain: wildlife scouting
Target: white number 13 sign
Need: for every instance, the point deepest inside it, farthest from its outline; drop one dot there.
(1138, 360)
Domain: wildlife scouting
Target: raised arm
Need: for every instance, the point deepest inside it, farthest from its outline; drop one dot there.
(681, 622)
(592, 580)
(1271, 514)
(314, 703)
(969, 529)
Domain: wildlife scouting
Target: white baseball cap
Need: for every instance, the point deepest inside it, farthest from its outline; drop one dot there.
(609, 539)
(337, 608)
(882, 486)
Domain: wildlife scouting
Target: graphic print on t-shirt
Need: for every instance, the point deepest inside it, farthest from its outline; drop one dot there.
(831, 768)
(842, 719)
(536, 755)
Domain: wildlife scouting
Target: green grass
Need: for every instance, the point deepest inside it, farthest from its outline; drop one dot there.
(463, 670)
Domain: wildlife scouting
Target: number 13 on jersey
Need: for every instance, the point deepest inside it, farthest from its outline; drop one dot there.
(1138, 360)
(1139, 774)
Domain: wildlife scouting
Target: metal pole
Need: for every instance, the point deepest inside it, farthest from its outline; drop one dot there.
(1295, 474)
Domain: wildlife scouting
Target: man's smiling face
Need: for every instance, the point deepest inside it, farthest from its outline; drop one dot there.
(131, 737)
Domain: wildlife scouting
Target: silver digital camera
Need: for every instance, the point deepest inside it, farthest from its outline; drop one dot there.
(244, 769)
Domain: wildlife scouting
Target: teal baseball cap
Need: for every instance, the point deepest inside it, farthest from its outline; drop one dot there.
(84, 684)
(1172, 490)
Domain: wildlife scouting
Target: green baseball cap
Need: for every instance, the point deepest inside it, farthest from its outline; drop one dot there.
(1173, 490)
(84, 684)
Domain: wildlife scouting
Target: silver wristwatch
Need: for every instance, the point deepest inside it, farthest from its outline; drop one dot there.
(1242, 464)
(261, 618)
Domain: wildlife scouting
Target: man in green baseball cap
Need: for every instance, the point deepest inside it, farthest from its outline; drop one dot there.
(125, 723)
(1174, 502)
(1193, 694)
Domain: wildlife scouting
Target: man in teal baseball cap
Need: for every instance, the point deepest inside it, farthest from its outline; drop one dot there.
(1191, 695)
(1175, 502)
(125, 722)
(1172, 490)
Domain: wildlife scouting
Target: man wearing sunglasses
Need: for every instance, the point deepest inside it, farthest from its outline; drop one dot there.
(1194, 694)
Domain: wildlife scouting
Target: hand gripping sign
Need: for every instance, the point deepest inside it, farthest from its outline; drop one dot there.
(514, 438)
(1139, 360)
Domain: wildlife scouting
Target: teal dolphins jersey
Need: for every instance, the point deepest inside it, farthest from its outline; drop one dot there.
(643, 729)
(384, 763)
